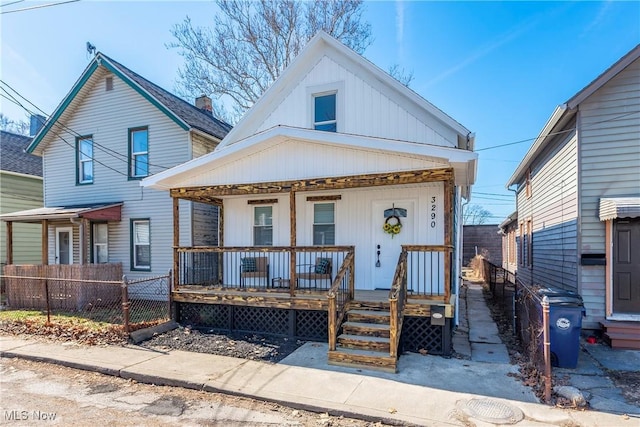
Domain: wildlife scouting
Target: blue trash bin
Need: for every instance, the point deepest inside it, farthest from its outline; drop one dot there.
(566, 310)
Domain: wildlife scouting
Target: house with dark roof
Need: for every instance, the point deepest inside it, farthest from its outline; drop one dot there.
(20, 189)
(110, 131)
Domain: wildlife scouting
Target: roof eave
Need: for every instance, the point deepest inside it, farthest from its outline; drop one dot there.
(539, 143)
(99, 60)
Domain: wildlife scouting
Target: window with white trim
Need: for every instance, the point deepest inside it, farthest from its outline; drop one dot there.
(100, 243)
(84, 157)
(324, 225)
(138, 152)
(140, 244)
(263, 226)
(324, 112)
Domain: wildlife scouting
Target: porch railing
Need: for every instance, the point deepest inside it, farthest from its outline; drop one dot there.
(299, 269)
(397, 299)
(428, 272)
(342, 291)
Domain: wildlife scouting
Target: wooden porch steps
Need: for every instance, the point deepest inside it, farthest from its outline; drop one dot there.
(364, 342)
(622, 335)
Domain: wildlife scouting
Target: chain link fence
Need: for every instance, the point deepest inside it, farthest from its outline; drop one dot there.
(72, 290)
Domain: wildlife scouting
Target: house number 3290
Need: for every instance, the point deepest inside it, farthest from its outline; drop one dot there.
(432, 212)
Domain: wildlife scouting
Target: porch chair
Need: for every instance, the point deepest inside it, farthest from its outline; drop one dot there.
(254, 267)
(320, 271)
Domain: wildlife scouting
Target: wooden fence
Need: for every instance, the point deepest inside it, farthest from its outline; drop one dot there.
(70, 287)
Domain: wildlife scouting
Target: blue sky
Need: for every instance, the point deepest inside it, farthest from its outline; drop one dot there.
(499, 68)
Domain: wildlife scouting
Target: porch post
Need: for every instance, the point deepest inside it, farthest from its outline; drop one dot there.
(9, 242)
(176, 240)
(448, 230)
(292, 257)
(220, 255)
(45, 242)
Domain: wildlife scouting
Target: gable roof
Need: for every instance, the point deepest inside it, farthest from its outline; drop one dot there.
(322, 44)
(187, 116)
(565, 112)
(13, 158)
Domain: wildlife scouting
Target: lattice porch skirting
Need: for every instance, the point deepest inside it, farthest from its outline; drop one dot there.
(418, 334)
(310, 325)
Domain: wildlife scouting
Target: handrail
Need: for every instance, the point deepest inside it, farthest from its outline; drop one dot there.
(337, 306)
(397, 298)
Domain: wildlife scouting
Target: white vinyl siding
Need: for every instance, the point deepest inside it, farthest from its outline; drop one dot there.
(370, 109)
(609, 166)
(354, 220)
(328, 160)
(107, 116)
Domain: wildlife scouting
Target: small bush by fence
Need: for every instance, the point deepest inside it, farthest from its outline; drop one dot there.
(96, 291)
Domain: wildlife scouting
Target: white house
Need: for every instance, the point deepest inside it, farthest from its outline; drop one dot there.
(340, 182)
(111, 130)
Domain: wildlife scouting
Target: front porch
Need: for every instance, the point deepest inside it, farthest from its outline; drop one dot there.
(362, 326)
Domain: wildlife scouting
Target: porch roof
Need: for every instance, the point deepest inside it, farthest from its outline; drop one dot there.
(100, 211)
(209, 169)
(619, 207)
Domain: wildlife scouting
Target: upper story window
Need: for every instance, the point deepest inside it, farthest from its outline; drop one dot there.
(84, 160)
(324, 112)
(527, 189)
(324, 224)
(138, 153)
(263, 226)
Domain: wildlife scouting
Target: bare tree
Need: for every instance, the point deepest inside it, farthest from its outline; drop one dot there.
(474, 215)
(20, 127)
(252, 42)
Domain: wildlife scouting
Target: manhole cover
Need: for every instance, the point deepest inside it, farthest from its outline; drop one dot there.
(492, 411)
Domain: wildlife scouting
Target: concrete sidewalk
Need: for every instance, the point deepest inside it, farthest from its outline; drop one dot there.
(428, 390)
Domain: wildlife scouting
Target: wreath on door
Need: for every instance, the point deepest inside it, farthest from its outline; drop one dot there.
(392, 225)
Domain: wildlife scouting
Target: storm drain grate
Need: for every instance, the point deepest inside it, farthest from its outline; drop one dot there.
(492, 411)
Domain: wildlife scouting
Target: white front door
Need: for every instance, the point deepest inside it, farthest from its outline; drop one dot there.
(64, 245)
(387, 244)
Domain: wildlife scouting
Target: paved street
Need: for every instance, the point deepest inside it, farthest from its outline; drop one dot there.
(34, 393)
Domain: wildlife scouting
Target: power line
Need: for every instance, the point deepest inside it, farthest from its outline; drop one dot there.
(113, 153)
(62, 138)
(13, 2)
(559, 132)
(40, 6)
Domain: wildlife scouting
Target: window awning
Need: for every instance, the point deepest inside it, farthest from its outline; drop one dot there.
(619, 207)
(101, 211)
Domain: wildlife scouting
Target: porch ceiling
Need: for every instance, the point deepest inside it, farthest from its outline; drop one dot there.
(102, 211)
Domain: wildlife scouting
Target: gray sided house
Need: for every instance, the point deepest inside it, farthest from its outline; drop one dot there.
(20, 189)
(113, 129)
(578, 197)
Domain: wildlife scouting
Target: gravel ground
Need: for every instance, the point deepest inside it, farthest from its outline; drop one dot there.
(245, 346)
